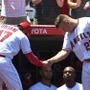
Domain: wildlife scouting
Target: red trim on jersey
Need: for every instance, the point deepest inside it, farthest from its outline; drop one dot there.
(33, 59)
(2, 56)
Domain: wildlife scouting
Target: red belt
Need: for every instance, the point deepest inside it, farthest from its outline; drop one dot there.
(87, 60)
(2, 56)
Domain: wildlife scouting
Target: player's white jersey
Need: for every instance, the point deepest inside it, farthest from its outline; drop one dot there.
(12, 40)
(79, 40)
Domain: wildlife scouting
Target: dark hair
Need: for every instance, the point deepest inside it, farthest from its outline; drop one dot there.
(20, 27)
(70, 67)
(60, 18)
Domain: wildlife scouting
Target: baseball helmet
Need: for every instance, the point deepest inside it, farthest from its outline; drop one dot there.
(25, 27)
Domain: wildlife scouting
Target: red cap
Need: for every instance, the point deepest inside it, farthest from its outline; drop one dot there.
(26, 26)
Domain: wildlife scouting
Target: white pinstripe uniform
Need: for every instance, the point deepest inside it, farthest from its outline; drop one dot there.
(79, 43)
(11, 41)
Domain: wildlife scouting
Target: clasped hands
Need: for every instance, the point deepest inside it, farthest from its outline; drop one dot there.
(48, 62)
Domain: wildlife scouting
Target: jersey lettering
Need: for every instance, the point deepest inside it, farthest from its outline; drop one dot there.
(4, 35)
(87, 45)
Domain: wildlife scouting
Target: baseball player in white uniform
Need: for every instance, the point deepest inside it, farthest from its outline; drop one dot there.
(11, 41)
(77, 39)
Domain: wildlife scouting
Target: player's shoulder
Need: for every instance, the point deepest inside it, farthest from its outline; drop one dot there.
(67, 34)
(12, 28)
(84, 19)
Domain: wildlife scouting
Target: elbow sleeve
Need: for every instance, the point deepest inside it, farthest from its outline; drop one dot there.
(33, 59)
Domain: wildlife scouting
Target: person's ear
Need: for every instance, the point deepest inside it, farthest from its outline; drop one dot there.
(68, 21)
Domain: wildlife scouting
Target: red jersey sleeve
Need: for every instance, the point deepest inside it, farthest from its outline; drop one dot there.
(33, 59)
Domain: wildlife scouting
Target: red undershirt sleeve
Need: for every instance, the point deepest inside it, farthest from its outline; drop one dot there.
(33, 59)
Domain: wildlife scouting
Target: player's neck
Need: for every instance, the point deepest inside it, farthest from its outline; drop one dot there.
(46, 82)
(70, 85)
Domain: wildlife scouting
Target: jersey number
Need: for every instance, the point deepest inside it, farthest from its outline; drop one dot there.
(4, 35)
(87, 45)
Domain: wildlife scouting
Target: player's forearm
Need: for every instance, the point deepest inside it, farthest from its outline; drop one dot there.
(33, 59)
(59, 56)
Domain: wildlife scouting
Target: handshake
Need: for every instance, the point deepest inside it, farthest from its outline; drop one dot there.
(48, 62)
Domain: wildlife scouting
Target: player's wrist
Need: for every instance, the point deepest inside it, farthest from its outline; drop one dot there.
(51, 60)
(40, 63)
